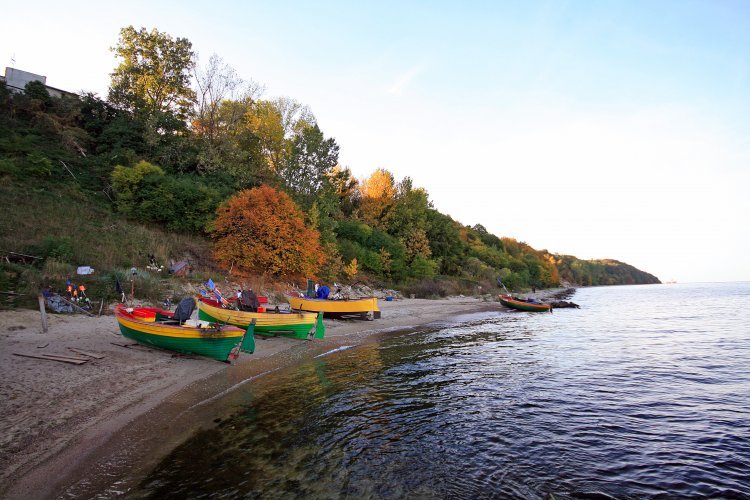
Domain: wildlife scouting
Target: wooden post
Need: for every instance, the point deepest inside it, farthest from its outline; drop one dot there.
(44, 313)
(100, 307)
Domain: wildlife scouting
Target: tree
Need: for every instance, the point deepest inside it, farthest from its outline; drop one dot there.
(153, 76)
(446, 244)
(126, 182)
(346, 188)
(306, 172)
(217, 83)
(409, 210)
(265, 121)
(378, 195)
(295, 116)
(262, 231)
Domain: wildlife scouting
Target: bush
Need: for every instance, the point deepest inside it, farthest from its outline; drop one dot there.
(59, 249)
(8, 167)
(183, 203)
(426, 289)
(37, 165)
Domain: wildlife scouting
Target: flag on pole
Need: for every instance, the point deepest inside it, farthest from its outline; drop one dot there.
(210, 284)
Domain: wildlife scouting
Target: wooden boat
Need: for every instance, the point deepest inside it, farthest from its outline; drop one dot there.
(298, 325)
(362, 308)
(156, 327)
(523, 305)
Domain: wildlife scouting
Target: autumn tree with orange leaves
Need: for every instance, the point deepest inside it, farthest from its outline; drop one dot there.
(262, 231)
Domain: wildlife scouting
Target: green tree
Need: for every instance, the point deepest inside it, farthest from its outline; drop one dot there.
(37, 90)
(126, 181)
(153, 76)
(445, 240)
(409, 210)
(307, 170)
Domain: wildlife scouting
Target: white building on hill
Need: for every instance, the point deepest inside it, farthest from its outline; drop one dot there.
(17, 79)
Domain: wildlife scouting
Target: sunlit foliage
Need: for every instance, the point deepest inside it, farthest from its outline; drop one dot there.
(262, 231)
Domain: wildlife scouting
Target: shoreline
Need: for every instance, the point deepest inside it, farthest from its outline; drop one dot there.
(81, 424)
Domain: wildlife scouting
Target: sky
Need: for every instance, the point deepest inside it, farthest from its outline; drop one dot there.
(601, 129)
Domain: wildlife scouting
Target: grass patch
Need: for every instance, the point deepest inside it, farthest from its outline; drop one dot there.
(68, 228)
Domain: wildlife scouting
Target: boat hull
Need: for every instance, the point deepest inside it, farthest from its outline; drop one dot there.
(216, 343)
(524, 306)
(366, 308)
(296, 325)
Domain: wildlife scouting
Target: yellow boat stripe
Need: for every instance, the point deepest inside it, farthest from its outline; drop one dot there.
(179, 331)
(335, 306)
(261, 319)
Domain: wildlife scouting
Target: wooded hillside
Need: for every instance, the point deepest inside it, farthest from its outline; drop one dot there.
(177, 138)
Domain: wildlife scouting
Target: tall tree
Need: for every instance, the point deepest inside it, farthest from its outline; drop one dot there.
(346, 187)
(153, 76)
(216, 83)
(306, 172)
(409, 210)
(265, 121)
(295, 116)
(378, 194)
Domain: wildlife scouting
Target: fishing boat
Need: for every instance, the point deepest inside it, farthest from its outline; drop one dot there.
(158, 328)
(362, 308)
(299, 325)
(524, 305)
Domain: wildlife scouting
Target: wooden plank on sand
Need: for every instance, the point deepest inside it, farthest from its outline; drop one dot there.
(86, 353)
(74, 361)
(63, 356)
(123, 345)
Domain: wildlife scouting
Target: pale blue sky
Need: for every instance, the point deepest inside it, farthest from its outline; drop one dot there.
(600, 129)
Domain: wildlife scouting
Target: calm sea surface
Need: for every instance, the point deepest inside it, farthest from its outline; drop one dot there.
(643, 392)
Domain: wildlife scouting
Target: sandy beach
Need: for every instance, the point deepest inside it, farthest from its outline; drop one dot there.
(60, 419)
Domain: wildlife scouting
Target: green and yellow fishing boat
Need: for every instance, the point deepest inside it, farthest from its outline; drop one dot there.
(299, 325)
(158, 328)
(524, 305)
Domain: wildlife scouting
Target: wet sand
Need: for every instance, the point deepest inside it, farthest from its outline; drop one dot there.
(75, 428)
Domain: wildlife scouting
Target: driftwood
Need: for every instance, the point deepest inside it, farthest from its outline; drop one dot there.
(87, 353)
(54, 357)
(124, 345)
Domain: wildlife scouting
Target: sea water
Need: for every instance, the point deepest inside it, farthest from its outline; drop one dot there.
(642, 392)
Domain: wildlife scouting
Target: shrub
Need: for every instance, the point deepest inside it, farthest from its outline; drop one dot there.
(59, 249)
(38, 165)
(426, 289)
(8, 167)
(262, 231)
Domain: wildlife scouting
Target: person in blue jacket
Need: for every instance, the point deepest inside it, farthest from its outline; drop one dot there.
(323, 292)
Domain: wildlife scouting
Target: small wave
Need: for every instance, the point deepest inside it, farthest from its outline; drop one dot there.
(230, 389)
(342, 348)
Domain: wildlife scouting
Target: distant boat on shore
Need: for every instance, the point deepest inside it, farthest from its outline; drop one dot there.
(524, 305)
